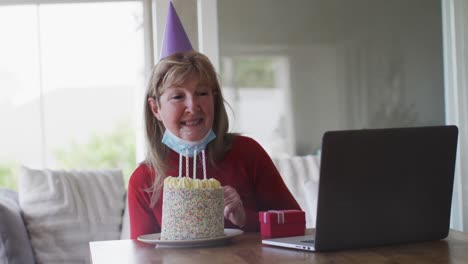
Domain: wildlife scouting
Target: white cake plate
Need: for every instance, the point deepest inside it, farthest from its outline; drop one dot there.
(229, 234)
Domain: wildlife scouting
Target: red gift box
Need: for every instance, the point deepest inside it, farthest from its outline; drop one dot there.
(282, 223)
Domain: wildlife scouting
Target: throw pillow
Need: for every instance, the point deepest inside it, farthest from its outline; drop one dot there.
(66, 209)
(14, 242)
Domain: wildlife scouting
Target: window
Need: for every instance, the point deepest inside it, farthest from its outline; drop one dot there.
(256, 88)
(69, 76)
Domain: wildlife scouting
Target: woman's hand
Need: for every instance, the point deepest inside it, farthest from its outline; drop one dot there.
(233, 208)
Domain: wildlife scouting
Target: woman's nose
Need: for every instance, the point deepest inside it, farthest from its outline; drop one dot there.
(192, 103)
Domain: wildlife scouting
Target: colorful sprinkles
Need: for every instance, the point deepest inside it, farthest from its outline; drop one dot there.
(192, 213)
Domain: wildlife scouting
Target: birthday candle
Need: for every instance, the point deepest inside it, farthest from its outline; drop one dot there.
(204, 164)
(186, 164)
(194, 164)
(180, 165)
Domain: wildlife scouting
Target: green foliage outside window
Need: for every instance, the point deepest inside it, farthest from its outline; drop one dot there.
(252, 72)
(102, 151)
(8, 175)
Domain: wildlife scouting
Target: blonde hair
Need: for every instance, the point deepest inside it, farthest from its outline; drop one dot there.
(173, 71)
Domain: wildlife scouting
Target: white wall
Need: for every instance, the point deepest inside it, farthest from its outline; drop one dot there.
(348, 59)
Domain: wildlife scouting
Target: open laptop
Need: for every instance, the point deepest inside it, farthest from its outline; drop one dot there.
(381, 187)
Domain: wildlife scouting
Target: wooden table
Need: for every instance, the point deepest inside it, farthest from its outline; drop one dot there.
(247, 248)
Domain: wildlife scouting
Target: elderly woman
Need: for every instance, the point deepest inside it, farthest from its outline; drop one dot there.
(184, 103)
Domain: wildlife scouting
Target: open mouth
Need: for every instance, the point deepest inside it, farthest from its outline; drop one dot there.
(193, 122)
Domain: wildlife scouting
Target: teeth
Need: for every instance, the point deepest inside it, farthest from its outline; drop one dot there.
(192, 123)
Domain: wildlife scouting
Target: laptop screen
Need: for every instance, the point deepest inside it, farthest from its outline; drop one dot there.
(385, 186)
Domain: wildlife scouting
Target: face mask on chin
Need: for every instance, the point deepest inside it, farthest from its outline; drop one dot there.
(185, 147)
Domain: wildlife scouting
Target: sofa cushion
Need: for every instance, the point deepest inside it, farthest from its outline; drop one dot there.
(301, 176)
(66, 209)
(14, 242)
(125, 230)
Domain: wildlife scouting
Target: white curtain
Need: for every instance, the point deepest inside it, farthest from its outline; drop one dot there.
(455, 27)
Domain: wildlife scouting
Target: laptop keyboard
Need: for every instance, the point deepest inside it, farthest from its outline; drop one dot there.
(311, 241)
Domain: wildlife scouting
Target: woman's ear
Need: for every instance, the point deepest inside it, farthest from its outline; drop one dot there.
(155, 108)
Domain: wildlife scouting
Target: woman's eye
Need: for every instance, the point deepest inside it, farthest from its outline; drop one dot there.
(202, 93)
(177, 97)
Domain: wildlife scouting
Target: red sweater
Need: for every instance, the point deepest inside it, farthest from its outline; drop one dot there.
(246, 167)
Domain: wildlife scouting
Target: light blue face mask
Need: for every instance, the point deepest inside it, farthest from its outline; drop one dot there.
(182, 146)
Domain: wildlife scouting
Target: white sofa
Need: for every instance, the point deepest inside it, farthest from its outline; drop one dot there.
(56, 213)
(301, 176)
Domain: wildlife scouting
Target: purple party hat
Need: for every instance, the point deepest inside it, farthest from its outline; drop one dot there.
(175, 39)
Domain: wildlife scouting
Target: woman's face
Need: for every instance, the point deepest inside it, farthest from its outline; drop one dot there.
(186, 110)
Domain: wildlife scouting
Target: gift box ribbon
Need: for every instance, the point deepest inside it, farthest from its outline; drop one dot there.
(280, 215)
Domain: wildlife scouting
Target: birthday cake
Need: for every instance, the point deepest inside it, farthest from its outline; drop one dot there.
(192, 209)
